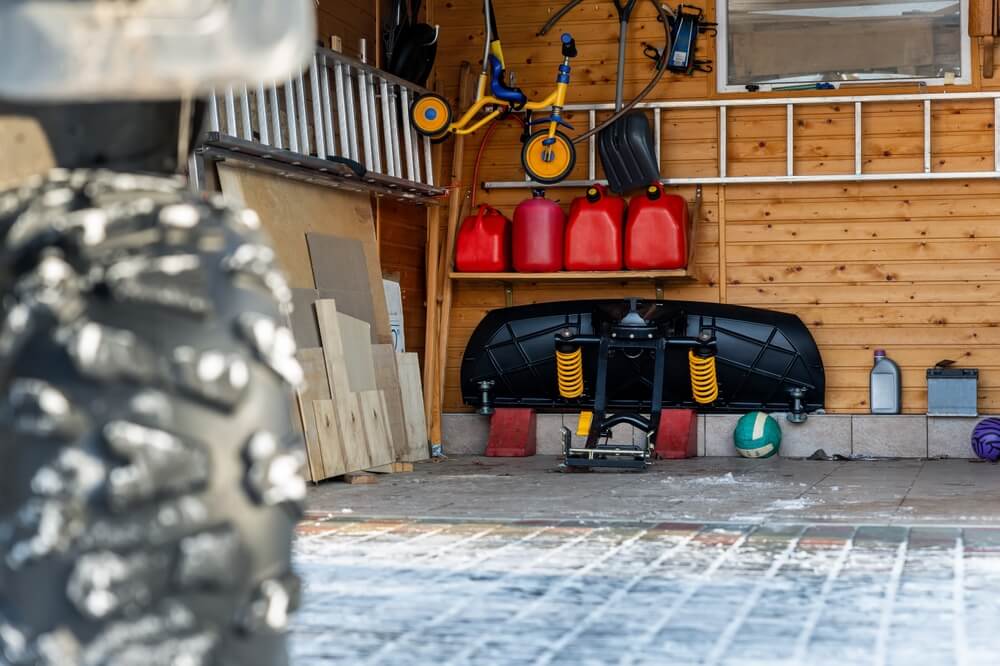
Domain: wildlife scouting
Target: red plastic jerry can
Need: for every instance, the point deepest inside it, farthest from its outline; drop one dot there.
(539, 228)
(656, 231)
(483, 244)
(594, 231)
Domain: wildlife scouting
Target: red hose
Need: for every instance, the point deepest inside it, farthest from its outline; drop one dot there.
(482, 151)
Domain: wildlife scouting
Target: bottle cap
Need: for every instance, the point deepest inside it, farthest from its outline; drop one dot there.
(879, 352)
(593, 194)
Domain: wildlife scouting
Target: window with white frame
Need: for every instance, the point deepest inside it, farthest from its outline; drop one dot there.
(774, 43)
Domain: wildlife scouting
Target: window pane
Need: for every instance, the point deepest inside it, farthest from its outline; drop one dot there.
(843, 40)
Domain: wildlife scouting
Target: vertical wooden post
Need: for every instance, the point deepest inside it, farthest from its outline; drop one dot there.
(983, 17)
(432, 319)
(436, 360)
(432, 300)
(456, 204)
(430, 335)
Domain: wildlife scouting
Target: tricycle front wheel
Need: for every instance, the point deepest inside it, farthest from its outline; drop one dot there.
(548, 161)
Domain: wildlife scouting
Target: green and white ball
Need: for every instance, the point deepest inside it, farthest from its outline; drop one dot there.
(757, 435)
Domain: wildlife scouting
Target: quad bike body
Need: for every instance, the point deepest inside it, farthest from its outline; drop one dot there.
(152, 479)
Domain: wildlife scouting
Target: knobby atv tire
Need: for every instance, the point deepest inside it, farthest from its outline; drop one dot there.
(150, 478)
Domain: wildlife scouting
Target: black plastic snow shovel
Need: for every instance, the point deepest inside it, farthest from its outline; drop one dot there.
(628, 151)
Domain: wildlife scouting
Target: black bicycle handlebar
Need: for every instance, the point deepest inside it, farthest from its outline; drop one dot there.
(569, 46)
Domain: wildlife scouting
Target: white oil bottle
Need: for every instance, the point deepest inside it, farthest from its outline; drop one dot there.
(885, 385)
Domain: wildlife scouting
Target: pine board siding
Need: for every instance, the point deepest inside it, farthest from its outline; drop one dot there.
(351, 20)
(911, 267)
(402, 244)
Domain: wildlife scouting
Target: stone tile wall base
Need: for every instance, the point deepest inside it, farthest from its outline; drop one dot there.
(466, 434)
(903, 436)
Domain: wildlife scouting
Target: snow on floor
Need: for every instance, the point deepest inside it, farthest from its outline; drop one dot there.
(466, 592)
(727, 479)
(697, 490)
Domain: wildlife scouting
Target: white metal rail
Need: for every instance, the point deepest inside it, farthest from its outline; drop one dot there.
(340, 119)
(659, 110)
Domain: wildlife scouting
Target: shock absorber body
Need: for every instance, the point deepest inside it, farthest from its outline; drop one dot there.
(569, 369)
(704, 378)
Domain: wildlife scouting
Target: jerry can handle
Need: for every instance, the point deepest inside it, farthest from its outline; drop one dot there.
(485, 209)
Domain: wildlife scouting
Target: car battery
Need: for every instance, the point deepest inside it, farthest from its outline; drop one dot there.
(952, 391)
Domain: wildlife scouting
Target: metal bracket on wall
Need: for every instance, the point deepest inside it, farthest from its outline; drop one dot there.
(508, 293)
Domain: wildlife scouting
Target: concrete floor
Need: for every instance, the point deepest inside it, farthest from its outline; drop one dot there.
(721, 562)
(945, 492)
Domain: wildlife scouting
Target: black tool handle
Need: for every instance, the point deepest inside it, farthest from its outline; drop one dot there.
(625, 9)
(415, 12)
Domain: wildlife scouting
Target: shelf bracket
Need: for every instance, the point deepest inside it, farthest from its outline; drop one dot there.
(508, 292)
(658, 286)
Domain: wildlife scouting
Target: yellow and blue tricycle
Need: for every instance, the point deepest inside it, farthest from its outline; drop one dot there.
(548, 155)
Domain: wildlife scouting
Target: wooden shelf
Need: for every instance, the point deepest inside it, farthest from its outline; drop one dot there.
(574, 276)
(658, 278)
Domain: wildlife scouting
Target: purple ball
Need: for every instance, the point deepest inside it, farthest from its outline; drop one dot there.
(986, 439)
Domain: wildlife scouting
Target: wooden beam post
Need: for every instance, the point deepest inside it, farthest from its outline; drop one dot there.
(456, 205)
(432, 413)
(432, 320)
(436, 353)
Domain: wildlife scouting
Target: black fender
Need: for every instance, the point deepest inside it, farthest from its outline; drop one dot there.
(761, 355)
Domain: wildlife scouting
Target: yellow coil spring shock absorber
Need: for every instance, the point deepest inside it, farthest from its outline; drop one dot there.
(569, 370)
(704, 380)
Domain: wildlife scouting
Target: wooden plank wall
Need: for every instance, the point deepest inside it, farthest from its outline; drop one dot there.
(351, 20)
(402, 227)
(402, 250)
(912, 267)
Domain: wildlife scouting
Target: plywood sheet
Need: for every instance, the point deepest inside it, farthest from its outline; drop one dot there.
(316, 388)
(340, 271)
(291, 210)
(358, 419)
(387, 381)
(412, 394)
(333, 347)
(303, 320)
(379, 448)
(341, 456)
(358, 360)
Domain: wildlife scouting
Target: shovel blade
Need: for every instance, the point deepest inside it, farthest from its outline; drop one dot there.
(628, 153)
